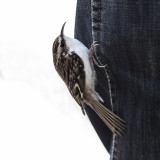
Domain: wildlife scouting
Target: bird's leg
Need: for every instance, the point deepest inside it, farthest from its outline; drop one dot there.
(91, 57)
(91, 54)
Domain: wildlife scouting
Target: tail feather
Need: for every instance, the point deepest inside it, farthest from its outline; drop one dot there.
(114, 122)
(113, 125)
(113, 117)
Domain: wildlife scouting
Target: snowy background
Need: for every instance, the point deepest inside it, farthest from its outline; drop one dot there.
(39, 120)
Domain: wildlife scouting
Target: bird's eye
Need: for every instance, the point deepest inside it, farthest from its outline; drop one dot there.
(62, 44)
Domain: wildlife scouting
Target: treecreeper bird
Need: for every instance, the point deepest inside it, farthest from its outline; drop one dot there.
(71, 59)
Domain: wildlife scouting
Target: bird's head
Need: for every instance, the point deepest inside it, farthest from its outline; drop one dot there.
(59, 46)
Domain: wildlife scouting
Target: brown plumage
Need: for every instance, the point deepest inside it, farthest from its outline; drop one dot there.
(71, 60)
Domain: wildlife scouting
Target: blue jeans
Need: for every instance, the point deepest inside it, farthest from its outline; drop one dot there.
(128, 34)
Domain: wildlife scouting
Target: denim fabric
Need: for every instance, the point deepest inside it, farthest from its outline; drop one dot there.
(128, 34)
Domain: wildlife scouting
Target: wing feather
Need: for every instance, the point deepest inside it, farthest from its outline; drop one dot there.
(76, 78)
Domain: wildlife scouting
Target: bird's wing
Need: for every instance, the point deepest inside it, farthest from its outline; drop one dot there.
(76, 78)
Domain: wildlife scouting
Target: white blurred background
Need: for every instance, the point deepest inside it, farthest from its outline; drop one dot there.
(39, 120)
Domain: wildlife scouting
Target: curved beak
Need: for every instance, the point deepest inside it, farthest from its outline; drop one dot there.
(62, 30)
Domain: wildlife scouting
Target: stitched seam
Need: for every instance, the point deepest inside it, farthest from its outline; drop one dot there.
(115, 148)
(96, 20)
(96, 24)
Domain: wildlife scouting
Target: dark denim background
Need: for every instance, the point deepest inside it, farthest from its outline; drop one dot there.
(128, 32)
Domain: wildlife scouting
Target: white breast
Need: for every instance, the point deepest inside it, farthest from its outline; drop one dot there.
(81, 50)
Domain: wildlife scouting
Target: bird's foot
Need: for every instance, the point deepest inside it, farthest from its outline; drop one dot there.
(91, 57)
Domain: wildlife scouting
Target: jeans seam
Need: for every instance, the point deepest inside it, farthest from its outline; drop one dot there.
(96, 29)
(115, 148)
